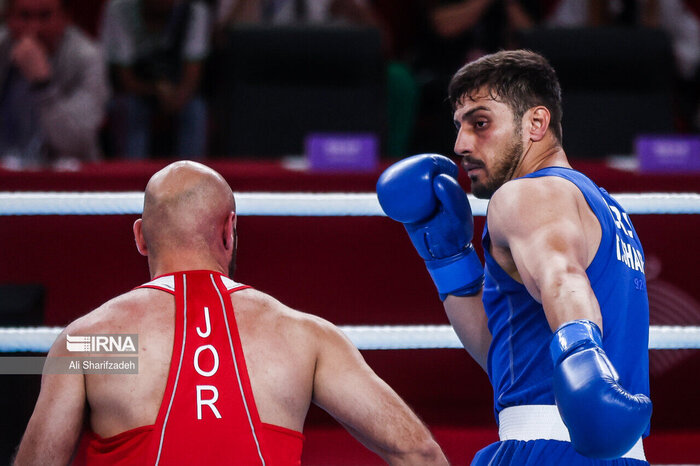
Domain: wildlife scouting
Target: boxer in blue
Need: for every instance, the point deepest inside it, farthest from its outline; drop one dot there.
(559, 315)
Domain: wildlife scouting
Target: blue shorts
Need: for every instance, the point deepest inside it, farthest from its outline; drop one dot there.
(541, 452)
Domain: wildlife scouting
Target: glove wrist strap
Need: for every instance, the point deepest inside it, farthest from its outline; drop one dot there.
(457, 272)
(573, 334)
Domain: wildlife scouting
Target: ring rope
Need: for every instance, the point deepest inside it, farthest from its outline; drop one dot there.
(39, 339)
(365, 337)
(290, 203)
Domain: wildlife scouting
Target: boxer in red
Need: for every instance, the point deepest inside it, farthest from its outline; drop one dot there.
(226, 373)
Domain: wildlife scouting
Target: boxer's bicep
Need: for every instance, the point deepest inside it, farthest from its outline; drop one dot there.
(540, 226)
(56, 423)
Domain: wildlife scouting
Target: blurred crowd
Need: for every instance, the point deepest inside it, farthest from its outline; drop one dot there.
(89, 80)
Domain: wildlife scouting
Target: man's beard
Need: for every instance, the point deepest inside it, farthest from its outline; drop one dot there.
(503, 170)
(232, 262)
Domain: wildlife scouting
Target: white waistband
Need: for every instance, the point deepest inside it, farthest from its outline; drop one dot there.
(535, 422)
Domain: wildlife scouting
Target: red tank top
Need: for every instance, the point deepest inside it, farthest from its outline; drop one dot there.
(208, 414)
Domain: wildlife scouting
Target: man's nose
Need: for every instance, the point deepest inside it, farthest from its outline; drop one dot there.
(464, 143)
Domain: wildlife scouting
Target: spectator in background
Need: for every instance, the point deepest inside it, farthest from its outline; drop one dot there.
(156, 49)
(299, 12)
(468, 29)
(456, 32)
(584, 13)
(280, 12)
(296, 12)
(53, 88)
(681, 20)
(472, 28)
(401, 89)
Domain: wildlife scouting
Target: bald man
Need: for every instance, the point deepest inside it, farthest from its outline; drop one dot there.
(226, 373)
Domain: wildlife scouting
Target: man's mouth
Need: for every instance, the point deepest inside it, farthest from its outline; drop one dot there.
(471, 168)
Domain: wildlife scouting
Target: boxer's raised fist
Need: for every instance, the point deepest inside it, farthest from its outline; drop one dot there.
(422, 193)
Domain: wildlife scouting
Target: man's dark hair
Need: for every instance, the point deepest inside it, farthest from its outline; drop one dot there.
(520, 79)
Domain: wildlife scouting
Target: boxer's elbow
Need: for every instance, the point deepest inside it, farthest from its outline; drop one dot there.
(424, 452)
(431, 453)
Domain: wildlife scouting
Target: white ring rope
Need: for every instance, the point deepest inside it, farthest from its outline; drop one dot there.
(290, 204)
(365, 337)
(39, 339)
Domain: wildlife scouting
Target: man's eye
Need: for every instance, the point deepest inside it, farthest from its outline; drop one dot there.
(480, 124)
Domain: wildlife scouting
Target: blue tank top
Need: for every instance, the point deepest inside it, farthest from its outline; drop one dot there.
(519, 365)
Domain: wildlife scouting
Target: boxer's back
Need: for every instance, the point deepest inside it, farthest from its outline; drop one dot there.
(119, 402)
(274, 378)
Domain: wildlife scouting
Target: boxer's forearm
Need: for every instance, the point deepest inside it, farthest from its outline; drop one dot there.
(468, 318)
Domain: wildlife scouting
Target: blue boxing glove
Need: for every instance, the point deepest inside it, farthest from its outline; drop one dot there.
(604, 420)
(422, 193)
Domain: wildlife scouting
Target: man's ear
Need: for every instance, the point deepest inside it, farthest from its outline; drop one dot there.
(229, 228)
(538, 119)
(138, 238)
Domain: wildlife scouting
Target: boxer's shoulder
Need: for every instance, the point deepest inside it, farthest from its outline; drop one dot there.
(128, 312)
(531, 201)
(273, 319)
(522, 192)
